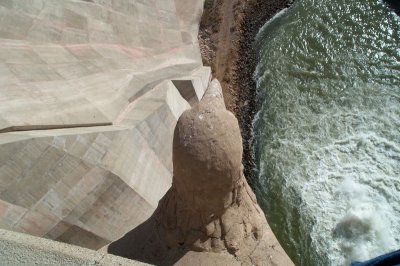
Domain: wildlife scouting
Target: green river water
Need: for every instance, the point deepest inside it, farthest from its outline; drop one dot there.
(328, 129)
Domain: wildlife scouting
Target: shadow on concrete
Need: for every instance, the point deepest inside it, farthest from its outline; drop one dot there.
(147, 244)
(186, 90)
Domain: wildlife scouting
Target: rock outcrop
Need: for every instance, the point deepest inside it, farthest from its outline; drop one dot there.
(210, 214)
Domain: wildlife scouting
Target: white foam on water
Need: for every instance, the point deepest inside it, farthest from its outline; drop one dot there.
(328, 132)
(343, 161)
(365, 229)
(273, 19)
(356, 204)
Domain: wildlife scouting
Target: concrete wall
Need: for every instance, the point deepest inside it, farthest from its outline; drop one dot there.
(87, 112)
(21, 249)
(79, 62)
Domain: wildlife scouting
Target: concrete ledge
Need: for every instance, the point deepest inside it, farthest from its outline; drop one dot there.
(22, 249)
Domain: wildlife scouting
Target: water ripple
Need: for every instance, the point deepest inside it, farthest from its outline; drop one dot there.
(327, 133)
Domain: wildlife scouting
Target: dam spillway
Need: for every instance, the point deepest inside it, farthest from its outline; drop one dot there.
(88, 107)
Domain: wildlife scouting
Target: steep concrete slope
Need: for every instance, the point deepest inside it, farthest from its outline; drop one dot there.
(74, 63)
(88, 107)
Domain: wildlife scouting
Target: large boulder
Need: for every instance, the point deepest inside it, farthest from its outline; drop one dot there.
(210, 214)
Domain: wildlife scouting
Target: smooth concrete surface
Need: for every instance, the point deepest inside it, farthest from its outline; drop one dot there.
(87, 112)
(21, 249)
(78, 62)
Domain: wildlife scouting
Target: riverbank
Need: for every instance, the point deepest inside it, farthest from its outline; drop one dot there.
(226, 35)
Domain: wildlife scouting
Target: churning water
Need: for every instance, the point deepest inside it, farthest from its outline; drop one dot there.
(328, 130)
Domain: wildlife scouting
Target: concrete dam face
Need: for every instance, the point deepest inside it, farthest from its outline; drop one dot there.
(90, 93)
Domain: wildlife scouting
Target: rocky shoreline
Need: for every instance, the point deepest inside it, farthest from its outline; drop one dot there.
(229, 49)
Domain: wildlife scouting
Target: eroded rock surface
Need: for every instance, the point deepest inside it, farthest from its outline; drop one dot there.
(210, 213)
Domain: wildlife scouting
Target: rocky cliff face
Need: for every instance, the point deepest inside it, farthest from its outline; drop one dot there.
(210, 208)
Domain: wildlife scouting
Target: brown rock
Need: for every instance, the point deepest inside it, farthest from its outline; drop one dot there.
(210, 213)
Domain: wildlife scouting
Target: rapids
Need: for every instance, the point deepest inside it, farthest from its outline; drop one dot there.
(327, 134)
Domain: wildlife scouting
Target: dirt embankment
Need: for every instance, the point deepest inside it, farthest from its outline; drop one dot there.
(227, 33)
